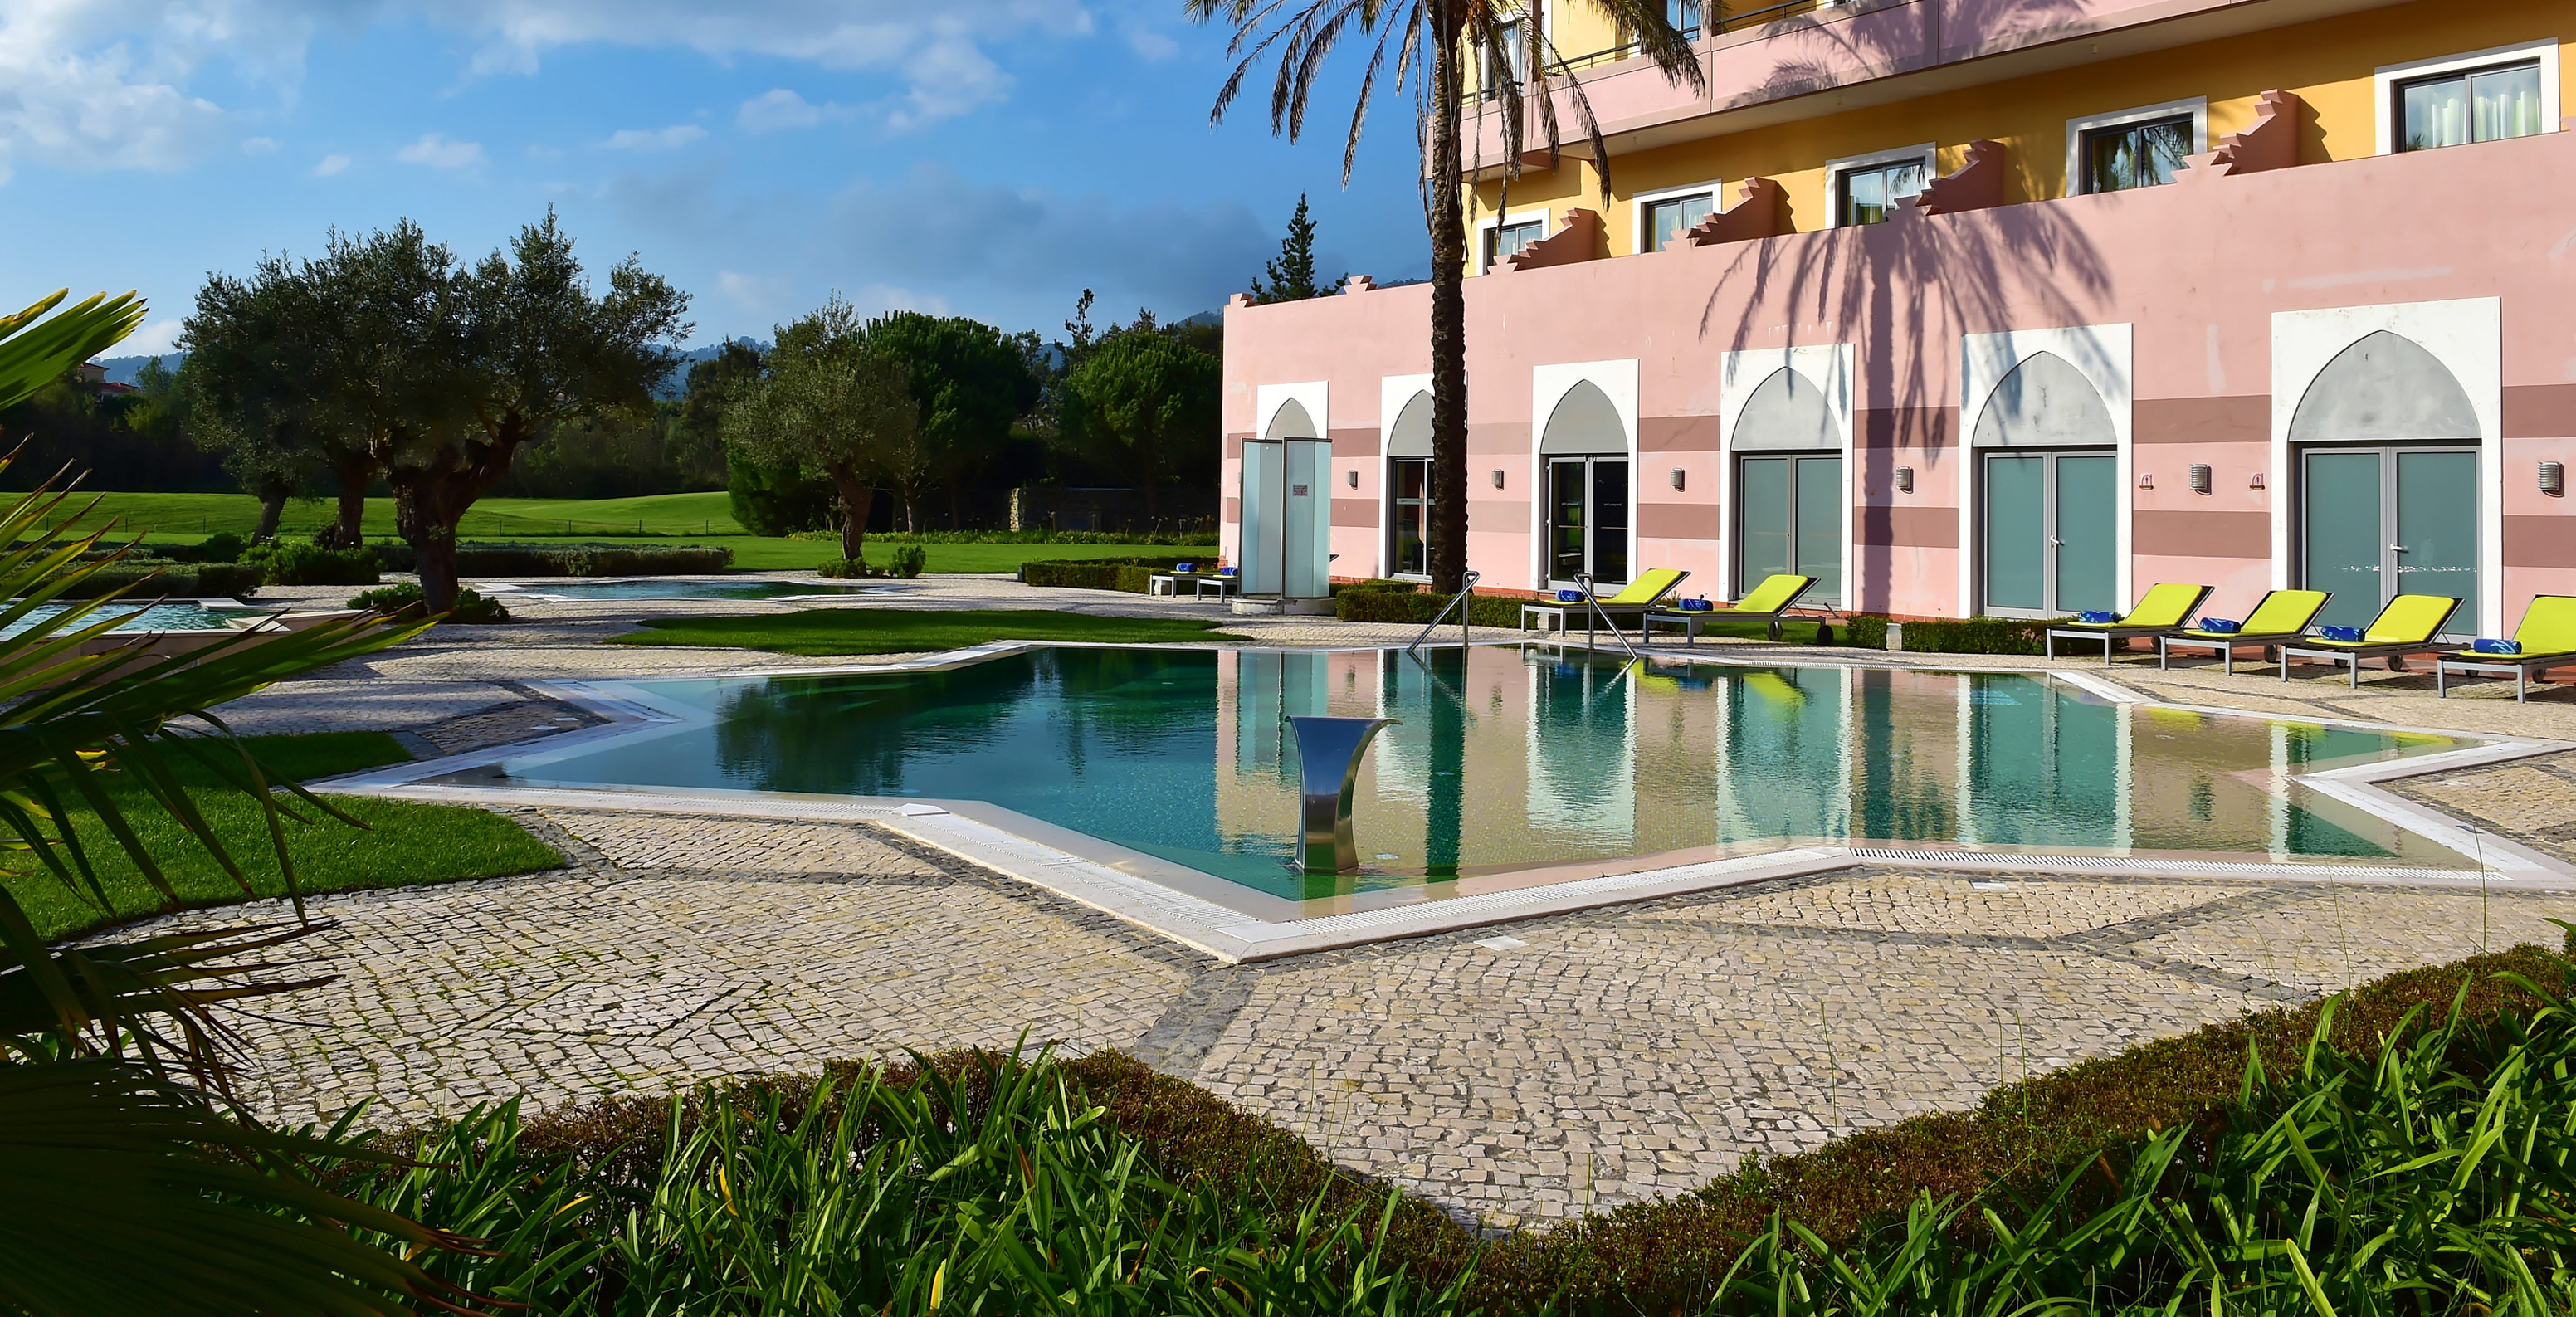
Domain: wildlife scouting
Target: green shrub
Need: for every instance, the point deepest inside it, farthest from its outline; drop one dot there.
(222, 546)
(1973, 635)
(844, 569)
(1193, 538)
(909, 560)
(1863, 631)
(504, 559)
(1133, 575)
(1419, 607)
(1378, 583)
(403, 598)
(303, 562)
(153, 579)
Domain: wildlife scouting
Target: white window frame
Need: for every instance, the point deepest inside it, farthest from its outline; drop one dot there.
(1487, 226)
(1928, 153)
(2077, 182)
(1715, 188)
(2384, 81)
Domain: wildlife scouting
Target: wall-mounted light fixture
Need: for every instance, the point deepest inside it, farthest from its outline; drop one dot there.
(1498, 478)
(1355, 477)
(1904, 480)
(2553, 479)
(1677, 477)
(2146, 480)
(2254, 481)
(2200, 477)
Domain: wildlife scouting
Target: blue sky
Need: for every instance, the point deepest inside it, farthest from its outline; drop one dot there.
(982, 157)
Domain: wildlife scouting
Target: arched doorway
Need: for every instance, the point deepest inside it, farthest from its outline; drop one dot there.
(1584, 452)
(2386, 445)
(1288, 508)
(1788, 450)
(1408, 483)
(2048, 491)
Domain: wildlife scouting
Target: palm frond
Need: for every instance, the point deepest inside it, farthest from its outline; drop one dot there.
(35, 352)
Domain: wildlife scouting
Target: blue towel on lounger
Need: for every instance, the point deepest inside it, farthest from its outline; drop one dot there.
(2096, 617)
(2347, 634)
(2490, 645)
(2221, 626)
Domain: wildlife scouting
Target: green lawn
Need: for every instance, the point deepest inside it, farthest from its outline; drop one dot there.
(404, 844)
(822, 632)
(705, 518)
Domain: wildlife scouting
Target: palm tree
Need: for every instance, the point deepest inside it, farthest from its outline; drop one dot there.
(1431, 43)
(130, 1180)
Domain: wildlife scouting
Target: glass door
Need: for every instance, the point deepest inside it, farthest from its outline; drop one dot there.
(2379, 522)
(2050, 540)
(1409, 537)
(1587, 521)
(1609, 523)
(2343, 549)
(1789, 518)
(1565, 514)
(1264, 525)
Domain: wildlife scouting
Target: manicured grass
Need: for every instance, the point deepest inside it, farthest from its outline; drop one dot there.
(823, 632)
(704, 518)
(404, 843)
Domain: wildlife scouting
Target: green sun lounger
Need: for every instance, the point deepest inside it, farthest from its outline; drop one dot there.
(2282, 617)
(2406, 626)
(2163, 610)
(1777, 594)
(1630, 603)
(2548, 639)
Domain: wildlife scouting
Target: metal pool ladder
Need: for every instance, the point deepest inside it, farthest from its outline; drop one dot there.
(1459, 601)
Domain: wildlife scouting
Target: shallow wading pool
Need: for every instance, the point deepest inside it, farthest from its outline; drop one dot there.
(1512, 764)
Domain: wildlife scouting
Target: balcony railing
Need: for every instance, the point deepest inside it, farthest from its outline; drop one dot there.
(1725, 20)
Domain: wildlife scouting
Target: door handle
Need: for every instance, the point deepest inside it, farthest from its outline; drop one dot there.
(2397, 548)
(2056, 541)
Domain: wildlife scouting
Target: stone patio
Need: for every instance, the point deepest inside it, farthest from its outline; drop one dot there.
(1513, 1074)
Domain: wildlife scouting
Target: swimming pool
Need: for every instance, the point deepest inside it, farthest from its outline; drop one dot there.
(183, 615)
(669, 589)
(1517, 759)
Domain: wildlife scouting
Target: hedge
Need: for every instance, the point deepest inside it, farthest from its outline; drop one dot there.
(1133, 575)
(496, 559)
(1973, 635)
(1205, 539)
(214, 580)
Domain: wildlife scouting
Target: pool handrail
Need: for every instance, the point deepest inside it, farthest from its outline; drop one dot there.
(1466, 588)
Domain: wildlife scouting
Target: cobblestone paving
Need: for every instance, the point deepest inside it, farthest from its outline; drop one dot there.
(646, 841)
(2532, 800)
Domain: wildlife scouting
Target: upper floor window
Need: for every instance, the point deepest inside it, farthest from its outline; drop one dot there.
(1507, 59)
(2135, 155)
(1502, 240)
(1684, 15)
(2460, 108)
(2479, 96)
(1664, 218)
(1865, 193)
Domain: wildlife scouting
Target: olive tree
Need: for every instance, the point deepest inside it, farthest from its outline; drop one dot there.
(828, 403)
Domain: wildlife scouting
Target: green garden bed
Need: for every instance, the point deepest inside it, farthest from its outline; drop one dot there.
(827, 632)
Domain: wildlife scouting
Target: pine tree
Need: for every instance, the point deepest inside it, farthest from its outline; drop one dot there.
(1292, 276)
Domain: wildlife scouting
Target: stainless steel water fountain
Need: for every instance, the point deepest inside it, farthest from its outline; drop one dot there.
(1328, 759)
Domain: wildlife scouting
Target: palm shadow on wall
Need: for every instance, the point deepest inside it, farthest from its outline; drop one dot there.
(1919, 280)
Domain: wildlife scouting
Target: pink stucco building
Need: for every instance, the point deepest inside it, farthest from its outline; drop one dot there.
(2256, 294)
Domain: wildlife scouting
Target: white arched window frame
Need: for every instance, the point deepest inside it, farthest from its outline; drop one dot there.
(1828, 366)
(2467, 337)
(1548, 387)
(2105, 354)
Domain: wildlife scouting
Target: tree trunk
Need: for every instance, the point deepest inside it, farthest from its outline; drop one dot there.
(420, 504)
(272, 507)
(348, 530)
(856, 495)
(1448, 311)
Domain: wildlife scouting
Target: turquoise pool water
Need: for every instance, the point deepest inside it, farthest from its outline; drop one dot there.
(1510, 759)
(152, 617)
(682, 589)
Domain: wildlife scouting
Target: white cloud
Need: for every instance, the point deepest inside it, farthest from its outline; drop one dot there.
(259, 146)
(1150, 45)
(654, 139)
(329, 165)
(106, 84)
(439, 151)
(156, 338)
(778, 109)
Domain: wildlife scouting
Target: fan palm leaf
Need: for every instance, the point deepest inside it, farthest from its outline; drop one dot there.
(128, 1181)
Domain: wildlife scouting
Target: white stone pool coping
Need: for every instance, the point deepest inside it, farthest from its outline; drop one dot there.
(1234, 923)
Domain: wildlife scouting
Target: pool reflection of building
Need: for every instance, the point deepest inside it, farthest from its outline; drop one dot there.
(1511, 758)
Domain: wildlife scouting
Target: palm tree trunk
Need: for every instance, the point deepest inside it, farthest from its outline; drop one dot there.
(1448, 311)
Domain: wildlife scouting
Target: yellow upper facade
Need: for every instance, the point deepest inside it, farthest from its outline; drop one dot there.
(2349, 72)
